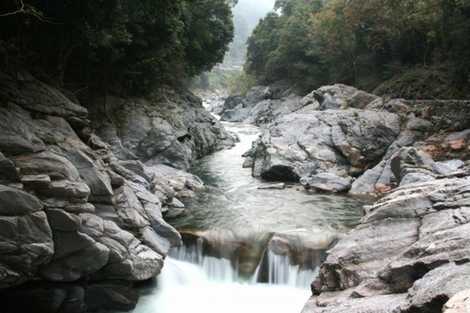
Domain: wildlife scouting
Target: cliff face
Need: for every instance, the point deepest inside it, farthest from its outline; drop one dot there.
(75, 206)
(170, 128)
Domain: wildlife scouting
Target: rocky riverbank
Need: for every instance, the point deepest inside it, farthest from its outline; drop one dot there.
(84, 192)
(410, 252)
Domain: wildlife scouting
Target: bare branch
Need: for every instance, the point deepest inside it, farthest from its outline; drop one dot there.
(27, 10)
(21, 10)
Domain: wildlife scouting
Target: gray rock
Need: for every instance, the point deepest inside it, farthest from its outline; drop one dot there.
(14, 202)
(323, 141)
(36, 182)
(436, 287)
(16, 136)
(25, 237)
(49, 163)
(173, 129)
(397, 106)
(153, 240)
(94, 176)
(129, 210)
(36, 96)
(76, 192)
(327, 182)
(76, 255)
(422, 231)
(8, 172)
(341, 96)
(377, 304)
(129, 259)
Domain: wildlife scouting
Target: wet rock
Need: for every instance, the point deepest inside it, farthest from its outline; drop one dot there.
(327, 182)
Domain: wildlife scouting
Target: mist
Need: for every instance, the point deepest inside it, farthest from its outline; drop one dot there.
(247, 14)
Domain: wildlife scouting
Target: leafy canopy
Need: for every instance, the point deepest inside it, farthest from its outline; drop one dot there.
(362, 42)
(126, 46)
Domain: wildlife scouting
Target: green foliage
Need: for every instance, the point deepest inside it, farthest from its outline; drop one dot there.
(240, 83)
(362, 42)
(121, 45)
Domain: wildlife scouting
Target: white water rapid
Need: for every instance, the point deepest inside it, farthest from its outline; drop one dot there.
(213, 287)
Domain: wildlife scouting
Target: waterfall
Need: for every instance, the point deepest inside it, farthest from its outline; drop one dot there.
(272, 269)
(281, 272)
(185, 287)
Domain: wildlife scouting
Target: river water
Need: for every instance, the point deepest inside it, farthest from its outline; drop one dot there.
(228, 262)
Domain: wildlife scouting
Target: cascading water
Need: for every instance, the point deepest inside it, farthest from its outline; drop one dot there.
(248, 249)
(278, 268)
(212, 285)
(281, 272)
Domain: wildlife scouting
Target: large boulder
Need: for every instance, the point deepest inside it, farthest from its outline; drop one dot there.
(339, 96)
(261, 105)
(422, 230)
(341, 141)
(76, 210)
(172, 129)
(25, 237)
(76, 255)
(381, 178)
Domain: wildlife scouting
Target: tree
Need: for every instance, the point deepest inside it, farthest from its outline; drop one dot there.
(365, 43)
(123, 46)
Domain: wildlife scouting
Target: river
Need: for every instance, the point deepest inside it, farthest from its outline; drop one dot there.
(229, 261)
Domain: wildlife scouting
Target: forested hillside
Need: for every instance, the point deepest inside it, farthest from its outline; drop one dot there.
(122, 46)
(406, 48)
